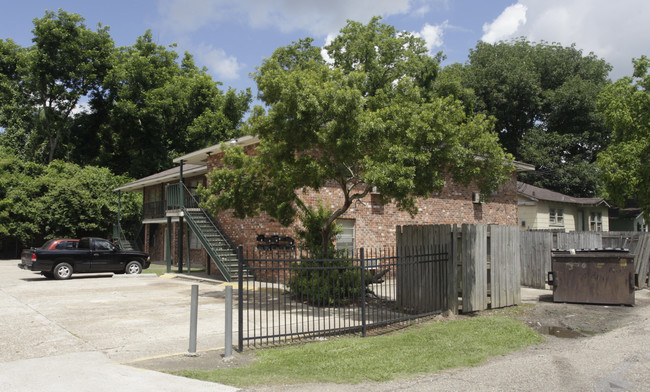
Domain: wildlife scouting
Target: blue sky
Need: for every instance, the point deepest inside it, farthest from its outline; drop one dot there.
(232, 37)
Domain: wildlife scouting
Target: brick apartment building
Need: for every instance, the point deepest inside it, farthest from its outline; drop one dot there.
(366, 224)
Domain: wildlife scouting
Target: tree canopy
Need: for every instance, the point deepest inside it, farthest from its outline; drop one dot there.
(60, 199)
(544, 97)
(74, 109)
(74, 96)
(365, 121)
(625, 163)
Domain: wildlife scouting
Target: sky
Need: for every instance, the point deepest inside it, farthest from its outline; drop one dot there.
(232, 37)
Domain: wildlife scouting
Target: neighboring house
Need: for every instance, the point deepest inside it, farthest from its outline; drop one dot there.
(366, 224)
(543, 209)
(628, 218)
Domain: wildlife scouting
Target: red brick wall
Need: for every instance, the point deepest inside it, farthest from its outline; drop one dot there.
(375, 224)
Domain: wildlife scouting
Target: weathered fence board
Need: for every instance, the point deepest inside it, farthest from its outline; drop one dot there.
(642, 254)
(535, 253)
(474, 267)
(423, 284)
(578, 240)
(505, 266)
(478, 290)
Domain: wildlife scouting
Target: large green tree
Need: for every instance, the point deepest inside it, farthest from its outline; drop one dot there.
(66, 64)
(367, 121)
(544, 97)
(143, 104)
(157, 108)
(625, 163)
(59, 199)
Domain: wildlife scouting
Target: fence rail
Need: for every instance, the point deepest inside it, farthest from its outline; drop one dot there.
(294, 294)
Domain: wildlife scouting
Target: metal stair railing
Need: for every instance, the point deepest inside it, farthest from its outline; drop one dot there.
(190, 202)
(118, 234)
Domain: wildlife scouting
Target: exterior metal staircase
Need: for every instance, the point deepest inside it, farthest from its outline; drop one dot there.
(214, 240)
(123, 242)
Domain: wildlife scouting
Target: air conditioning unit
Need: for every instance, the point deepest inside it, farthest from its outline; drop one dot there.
(476, 197)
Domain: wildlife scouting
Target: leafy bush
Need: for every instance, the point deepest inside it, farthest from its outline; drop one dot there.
(326, 277)
(328, 282)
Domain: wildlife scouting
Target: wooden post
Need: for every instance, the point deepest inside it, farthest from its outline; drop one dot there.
(452, 272)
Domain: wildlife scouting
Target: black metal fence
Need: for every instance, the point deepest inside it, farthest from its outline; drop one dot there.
(287, 294)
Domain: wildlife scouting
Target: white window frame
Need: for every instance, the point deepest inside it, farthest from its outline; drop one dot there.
(347, 236)
(596, 221)
(556, 216)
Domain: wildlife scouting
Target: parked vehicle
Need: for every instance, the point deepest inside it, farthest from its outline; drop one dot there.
(91, 255)
(60, 243)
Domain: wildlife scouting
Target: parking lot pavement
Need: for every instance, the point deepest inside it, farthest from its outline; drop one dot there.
(92, 371)
(96, 322)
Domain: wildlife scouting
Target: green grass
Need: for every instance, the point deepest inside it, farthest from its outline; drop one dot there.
(161, 269)
(423, 348)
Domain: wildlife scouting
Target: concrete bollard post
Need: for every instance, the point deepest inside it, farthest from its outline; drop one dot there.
(228, 339)
(194, 310)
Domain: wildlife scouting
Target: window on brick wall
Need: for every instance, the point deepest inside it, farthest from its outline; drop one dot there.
(194, 240)
(345, 239)
(556, 216)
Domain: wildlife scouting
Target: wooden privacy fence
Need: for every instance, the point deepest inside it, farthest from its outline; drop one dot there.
(536, 251)
(483, 267)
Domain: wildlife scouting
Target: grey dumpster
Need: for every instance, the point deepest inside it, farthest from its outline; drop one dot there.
(593, 277)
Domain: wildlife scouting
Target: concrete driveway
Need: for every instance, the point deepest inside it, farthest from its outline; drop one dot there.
(75, 335)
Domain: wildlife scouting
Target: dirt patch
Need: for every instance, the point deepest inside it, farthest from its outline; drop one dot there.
(566, 320)
(206, 360)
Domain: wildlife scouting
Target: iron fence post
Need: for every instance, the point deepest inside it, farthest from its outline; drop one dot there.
(240, 296)
(363, 293)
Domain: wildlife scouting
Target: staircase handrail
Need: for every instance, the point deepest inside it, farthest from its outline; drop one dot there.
(118, 234)
(196, 204)
(193, 203)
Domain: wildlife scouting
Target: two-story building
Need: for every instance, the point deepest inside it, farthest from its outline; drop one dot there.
(169, 207)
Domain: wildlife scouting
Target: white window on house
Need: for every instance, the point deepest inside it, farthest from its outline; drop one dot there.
(345, 239)
(556, 216)
(596, 221)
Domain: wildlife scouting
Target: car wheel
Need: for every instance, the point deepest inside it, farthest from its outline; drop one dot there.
(133, 268)
(62, 271)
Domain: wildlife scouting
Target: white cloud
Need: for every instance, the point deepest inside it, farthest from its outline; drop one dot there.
(505, 24)
(323, 52)
(422, 11)
(432, 34)
(314, 16)
(614, 30)
(219, 63)
(81, 107)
